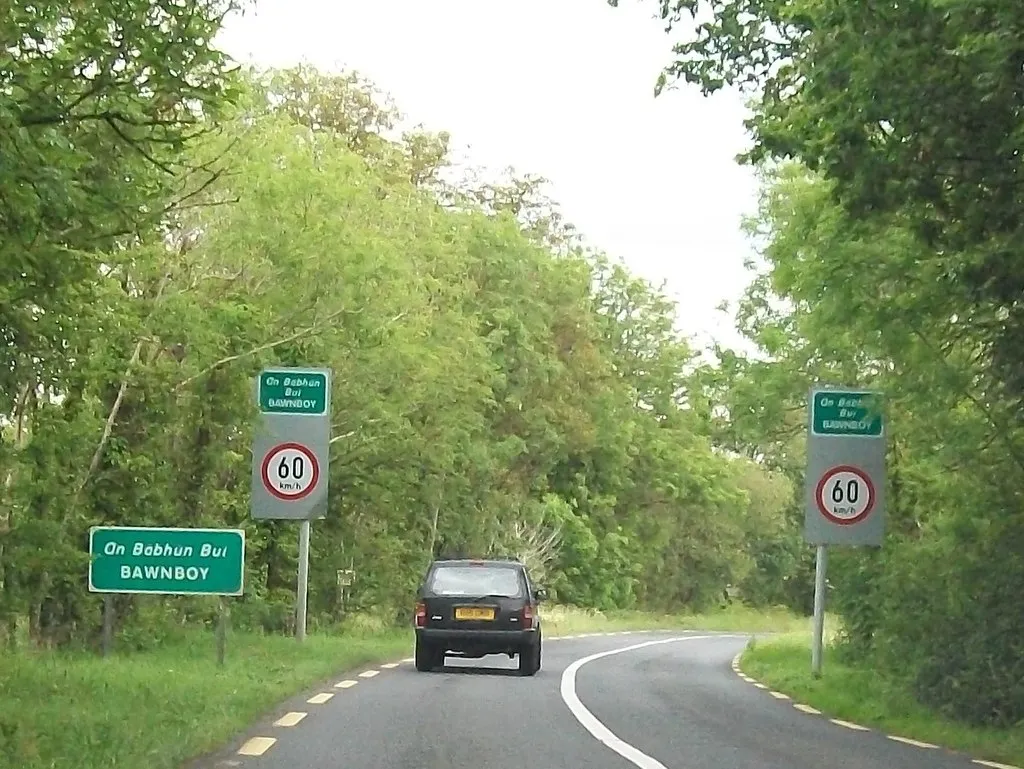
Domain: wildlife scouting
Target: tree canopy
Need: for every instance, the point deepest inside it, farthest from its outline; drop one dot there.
(498, 388)
(889, 137)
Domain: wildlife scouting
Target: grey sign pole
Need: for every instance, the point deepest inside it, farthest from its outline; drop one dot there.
(845, 485)
(820, 569)
(291, 458)
(302, 593)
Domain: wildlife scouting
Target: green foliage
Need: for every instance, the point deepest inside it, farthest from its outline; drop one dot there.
(845, 301)
(890, 247)
(167, 705)
(873, 698)
(497, 388)
(98, 101)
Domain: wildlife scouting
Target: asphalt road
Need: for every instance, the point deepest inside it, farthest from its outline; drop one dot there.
(621, 701)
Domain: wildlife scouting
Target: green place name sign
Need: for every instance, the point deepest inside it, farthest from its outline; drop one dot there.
(835, 412)
(129, 559)
(293, 392)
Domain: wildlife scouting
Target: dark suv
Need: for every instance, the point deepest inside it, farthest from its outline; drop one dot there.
(478, 607)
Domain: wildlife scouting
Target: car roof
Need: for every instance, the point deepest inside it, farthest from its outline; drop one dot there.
(476, 562)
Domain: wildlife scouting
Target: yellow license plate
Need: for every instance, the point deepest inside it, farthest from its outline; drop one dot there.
(466, 612)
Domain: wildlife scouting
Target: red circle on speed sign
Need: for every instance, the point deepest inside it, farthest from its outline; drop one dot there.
(290, 471)
(845, 495)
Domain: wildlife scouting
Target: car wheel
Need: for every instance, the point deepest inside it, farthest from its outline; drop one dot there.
(426, 657)
(529, 658)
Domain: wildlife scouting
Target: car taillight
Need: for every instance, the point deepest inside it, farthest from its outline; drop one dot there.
(421, 614)
(527, 617)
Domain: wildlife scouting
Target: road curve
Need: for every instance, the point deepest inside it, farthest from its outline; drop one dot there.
(617, 701)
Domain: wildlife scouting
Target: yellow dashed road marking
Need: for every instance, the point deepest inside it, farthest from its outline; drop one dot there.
(346, 684)
(257, 746)
(289, 719)
(390, 665)
(368, 673)
(908, 741)
(847, 724)
(320, 699)
(994, 764)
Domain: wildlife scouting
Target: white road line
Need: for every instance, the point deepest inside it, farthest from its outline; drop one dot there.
(599, 731)
(993, 764)
(915, 743)
(290, 719)
(257, 746)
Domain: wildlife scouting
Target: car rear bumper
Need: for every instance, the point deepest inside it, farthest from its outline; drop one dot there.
(457, 638)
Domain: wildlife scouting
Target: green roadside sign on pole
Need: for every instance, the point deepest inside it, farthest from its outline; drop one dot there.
(292, 391)
(844, 484)
(166, 561)
(845, 413)
(291, 445)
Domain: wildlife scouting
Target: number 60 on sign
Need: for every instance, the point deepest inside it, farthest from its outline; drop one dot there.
(290, 471)
(845, 495)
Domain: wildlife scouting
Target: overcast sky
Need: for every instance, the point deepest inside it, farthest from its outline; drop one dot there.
(562, 89)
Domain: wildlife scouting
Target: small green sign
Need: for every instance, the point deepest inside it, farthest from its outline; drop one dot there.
(129, 559)
(835, 412)
(293, 392)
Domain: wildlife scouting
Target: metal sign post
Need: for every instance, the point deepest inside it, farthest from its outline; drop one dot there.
(290, 457)
(166, 561)
(845, 485)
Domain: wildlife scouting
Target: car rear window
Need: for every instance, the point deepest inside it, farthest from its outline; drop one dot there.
(476, 580)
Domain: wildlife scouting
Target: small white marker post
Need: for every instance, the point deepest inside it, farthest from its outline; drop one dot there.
(817, 639)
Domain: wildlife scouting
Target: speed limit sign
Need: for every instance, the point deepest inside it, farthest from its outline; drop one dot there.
(845, 495)
(290, 471)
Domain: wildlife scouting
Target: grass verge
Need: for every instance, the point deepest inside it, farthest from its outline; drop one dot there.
(157, 709)
(864, 697)
(561, 620)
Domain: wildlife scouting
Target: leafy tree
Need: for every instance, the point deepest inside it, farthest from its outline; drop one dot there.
(98, 100)
(827, 310)
(911, 110)
(498, 389)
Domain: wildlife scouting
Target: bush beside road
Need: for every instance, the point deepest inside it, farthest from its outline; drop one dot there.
(157, 709)
(866, 697)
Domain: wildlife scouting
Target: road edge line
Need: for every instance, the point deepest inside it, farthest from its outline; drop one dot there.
(807, 709)
(590, 722)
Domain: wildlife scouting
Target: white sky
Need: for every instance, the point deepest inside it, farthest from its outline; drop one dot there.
(562, 89)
